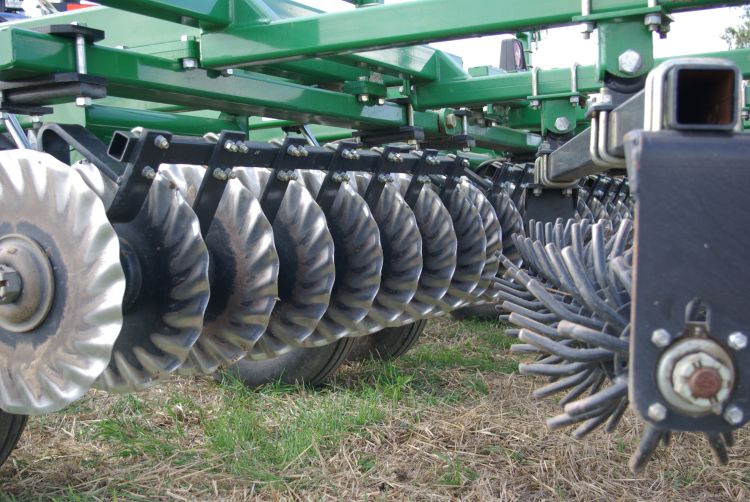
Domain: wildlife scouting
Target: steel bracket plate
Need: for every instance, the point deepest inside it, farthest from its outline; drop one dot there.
(691, 242)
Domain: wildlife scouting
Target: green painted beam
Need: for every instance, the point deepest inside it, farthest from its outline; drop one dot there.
(400, 24)
(132, 75)
(480, 91)
(192, 12)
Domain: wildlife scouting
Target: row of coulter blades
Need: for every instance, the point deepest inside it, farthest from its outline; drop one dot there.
(162, 256)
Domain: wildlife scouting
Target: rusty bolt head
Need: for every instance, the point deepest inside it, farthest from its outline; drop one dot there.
(701, 379)
(10, 285)
(705, 383)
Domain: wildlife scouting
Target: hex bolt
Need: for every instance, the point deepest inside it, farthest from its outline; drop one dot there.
(630, 61)
(653, 21)
(661, 338)
(423, 179)
(381, 101)
(189, 63)
(363, 98)
(231, 174)
(431, 160)
(562, 124)
(340, 177)
(657, 412)
(385, 178)
(231, 146)
(734, 415)
(220, 174)
(83, 101)
(466, 163)
(148, 173)
(293, 151)
(737, 341)
(395, 158)
(303, 151)
(161, 142)
(243, 147)
(10, 285)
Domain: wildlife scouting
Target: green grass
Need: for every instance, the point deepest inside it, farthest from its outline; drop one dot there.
(269, 435)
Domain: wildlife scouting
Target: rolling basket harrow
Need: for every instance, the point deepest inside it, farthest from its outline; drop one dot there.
(257, 187)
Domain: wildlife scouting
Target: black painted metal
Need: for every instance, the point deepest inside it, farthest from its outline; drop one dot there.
(691, 241)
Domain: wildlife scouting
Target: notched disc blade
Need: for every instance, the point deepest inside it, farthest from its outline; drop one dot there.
(471, 254)
(307, 271)
(402, 253)
(46, 207)
(485, 290)
(244, 273)
(511, 223)
(166, 266)
(358, 258)
(438, 253)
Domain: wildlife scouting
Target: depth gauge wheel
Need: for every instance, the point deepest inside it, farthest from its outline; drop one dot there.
(388, 344)
(11, 428)
(308, 366)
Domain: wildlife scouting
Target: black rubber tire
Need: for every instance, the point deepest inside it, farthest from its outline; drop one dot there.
(485, 312)
(307, 366)
(11, 428)
(388, 344)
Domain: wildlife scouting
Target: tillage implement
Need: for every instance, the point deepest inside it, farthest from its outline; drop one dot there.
(258, 187)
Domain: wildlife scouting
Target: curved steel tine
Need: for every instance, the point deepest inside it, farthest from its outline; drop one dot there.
(561, 385)
(558, 308)
(593, 338)
(600, 266)
(565, 420)
(559, 370)
(524, 348)
(537, 316)
(528, 323)
(621, 238)
(567, 353)
(616, 417)
(615, 392)
(566, 281)
(531, 305)
(548, 235)
(622, 271)
(649, 442)
(718, 447)
(594, 423)
(592, 382)
(588, 295)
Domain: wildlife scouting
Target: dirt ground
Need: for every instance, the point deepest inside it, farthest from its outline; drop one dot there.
(452, 420)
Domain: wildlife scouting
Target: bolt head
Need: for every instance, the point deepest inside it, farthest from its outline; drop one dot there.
(630, 62)
(220, 174)
(562, 124)
(189, 63)
(83, 101)
(161, 142)
(738, 341)
(363, 98)
(661, 338)
(148, 173)
(534, 104)
(734, 415)
(381, 101)
(702, 380)
(657, 412)
(10, 285)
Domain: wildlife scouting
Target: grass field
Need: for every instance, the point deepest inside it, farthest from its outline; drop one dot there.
(451, 420)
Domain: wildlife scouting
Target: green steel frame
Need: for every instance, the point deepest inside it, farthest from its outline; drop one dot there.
(284, 60)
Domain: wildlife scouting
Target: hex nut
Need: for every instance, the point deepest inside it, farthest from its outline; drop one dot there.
(10, 285)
